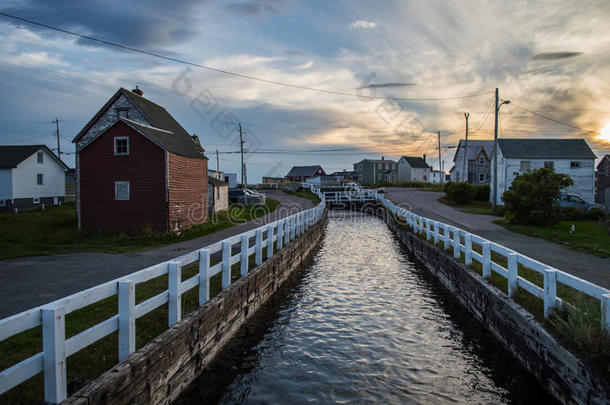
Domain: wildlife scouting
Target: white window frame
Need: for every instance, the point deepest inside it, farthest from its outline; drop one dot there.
(116, 191)
(121, 138)
(527, 163)
(40, 157)
(549, 164)
(41, 183)
(481, 160)
(481, 177)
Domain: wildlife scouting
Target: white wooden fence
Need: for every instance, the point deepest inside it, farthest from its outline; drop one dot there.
(461, 241)
(56, 348)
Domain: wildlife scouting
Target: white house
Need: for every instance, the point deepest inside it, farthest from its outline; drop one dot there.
(218, 195)
(437, 176)
(573, 157)
(413, 169)
(30, 175)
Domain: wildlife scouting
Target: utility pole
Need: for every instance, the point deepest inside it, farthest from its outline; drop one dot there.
(465, 149)
(217, 162)
(494, 203)
(58, 144)
(440, 162)
(241, 147)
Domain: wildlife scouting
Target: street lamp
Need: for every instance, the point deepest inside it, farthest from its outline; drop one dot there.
(495, 152)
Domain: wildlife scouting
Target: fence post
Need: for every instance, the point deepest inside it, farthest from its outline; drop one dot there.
(435, 232)
(606, 311)
(175, 295)
(127, 318)
(258, 257)
(550, 291)
(486, 259)
(446, 236)
(269, 241)
(204, 277)
(512, 274)
(456, 243)
(468, 244)
(54, 348)
(286, 231)
(243, 257)
(280, 236)
(226, 264)
(428, 236)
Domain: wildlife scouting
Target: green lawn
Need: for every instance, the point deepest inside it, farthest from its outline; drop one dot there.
(589, 237)
(474, 207)
(55, 230)
(305, 194)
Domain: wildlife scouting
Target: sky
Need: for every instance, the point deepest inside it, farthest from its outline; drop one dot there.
(407, 69)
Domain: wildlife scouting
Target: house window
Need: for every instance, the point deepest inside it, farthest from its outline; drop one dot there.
(40, 157)
(574, 165)
(481, 177)
(121, 146)
(39, 179)
(525, 165)
(378, 176)
(2, 203)
(549, 164)
(121, 190)
(379, 165)
(36, 200)
(481, 160)
(123, 112)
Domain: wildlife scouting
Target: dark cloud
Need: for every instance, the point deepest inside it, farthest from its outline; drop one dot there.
(555, 55)
(151, 24)
(385, 85)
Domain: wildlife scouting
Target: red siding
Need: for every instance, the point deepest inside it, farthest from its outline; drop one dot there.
(144, 168)
(188, 181)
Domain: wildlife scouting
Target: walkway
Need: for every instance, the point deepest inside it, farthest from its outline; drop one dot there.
(586, 266)
(32, 281)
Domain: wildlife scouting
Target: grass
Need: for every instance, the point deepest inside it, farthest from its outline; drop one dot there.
(474, 207)
(55, 230)
(305, 194)
(577, 326)
(92, 361)
(420, 185)
(590, 236)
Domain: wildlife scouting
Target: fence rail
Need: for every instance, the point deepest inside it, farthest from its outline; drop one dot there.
(461, 242)
(56, 348)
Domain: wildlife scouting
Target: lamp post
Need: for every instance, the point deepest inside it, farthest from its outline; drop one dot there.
(494, 204)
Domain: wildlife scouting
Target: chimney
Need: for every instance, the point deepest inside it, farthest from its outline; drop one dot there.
(137, 91)
(382, 158)
(424, 158)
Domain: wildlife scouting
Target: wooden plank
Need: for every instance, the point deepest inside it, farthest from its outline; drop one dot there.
(54, 349)
(127, 318)
(151, 304)
(20, 372)
(20, 322)
(93, 334)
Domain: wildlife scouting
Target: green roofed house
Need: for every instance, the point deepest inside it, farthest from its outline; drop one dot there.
(373, 171)
(573, 157)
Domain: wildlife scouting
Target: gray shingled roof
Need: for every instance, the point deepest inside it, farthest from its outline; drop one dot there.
(416, 162)
(302, 171)
(181, 144)
(546, 148)
(377, 161)
(12, 155)
(474, 147)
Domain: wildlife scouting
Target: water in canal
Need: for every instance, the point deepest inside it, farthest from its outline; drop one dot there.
(363, 323)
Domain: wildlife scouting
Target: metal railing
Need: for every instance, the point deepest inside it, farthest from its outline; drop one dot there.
(52, 317)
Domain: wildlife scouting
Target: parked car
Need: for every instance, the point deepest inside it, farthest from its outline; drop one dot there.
(246, 196)
(574, 200)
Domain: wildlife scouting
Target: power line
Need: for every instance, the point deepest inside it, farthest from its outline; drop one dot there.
(556, 120)
(227, 72)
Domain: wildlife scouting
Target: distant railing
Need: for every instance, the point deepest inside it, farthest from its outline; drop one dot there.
(56, 348)
(452, 237)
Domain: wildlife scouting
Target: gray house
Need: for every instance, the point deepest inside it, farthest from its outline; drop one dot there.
(472, 163)
(373, 171)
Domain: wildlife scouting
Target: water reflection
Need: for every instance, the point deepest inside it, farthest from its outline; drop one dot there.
(363, 323)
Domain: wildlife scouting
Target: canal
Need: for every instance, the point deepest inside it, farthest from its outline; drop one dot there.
(363, 322)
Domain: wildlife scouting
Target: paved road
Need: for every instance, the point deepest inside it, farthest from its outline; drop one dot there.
(32, 281)
(583, 265)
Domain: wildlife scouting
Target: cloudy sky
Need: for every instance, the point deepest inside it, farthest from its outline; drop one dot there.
(409, 68)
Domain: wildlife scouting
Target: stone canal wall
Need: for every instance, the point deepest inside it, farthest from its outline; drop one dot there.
(566, 377)
(158, 372)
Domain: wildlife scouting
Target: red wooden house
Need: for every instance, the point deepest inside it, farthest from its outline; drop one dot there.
(138, 169)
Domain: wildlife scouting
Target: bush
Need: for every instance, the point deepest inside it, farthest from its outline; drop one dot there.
(571, 214)
(595, 214)
(481, 193)
(532, 198)
(460, 193)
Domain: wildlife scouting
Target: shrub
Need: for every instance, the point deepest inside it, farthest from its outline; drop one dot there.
(595, 214)
(532, 197)
(571, 214)
(461, 193)
(447, 187)
(481, 193)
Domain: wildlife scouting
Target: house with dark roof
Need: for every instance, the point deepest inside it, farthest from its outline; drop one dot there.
(138, 169)
(573, 157)
(472, 162)
(602, 181)
(413, 168)
(373, 171)
(302, 173)
(30, 176)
